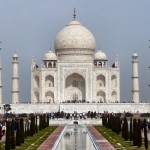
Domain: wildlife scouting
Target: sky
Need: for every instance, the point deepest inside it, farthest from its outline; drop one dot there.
(120, 27)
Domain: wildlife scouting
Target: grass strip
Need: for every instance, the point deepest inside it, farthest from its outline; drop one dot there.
(33, 142)
(117, 141)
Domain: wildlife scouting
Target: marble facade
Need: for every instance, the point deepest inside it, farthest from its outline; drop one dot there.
(75, 71)
(71, 108)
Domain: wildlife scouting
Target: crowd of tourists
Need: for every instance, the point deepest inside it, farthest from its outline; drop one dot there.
(75, 115)
(2, 129)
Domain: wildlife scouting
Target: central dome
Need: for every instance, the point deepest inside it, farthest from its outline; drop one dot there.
(74, 37)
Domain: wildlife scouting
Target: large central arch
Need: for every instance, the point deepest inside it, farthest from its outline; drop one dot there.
(75, 87)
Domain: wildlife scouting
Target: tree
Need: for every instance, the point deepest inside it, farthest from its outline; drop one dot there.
(145, 135)
(6, 108)
(28, 128)
(13, 144)
(125, 129)
(18, 134)
(139, 133)
(32, 126)
(131, 129)
(21, 130)
(118, 125)
(48, 120)
(135, 132)
(36, 127)
(40, 122)
(8, 136)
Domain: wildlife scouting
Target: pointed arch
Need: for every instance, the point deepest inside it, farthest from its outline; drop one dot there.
(49, 81)
(101, 97)
(101, 81)
(113, 81)
(75, 87)
(114, 96)
(49, 97)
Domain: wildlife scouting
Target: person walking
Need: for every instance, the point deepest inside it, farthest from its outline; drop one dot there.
(3, 129)
(1, 132)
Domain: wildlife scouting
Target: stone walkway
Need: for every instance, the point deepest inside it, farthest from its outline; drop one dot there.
(50, 141)
(100, 140)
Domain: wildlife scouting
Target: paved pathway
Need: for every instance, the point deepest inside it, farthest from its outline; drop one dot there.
(100, 140)
(50, 141)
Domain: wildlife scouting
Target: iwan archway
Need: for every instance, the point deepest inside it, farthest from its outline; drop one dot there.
(75, 88)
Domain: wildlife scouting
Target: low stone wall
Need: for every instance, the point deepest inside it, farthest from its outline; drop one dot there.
(81, 107)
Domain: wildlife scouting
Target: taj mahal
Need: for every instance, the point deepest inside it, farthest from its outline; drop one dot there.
(75, 76)
(75, 71)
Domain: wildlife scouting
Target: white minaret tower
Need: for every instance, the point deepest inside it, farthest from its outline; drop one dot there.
(0, 80)
(135, 79)
(15, 80)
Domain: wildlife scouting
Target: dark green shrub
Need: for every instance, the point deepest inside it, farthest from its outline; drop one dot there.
(18, 134)
(118, 125)
(128, 115)
(13, 144)
(48, 120)
(32, 126)
(21, 130)
(125, 129)
(135, 135)
(36, 126)
(145, 115)
(145, 135)
(8, 136)
(23, 115)
(139, 134)
(130, 136)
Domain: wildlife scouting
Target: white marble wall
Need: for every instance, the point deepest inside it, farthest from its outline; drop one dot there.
(101, 107)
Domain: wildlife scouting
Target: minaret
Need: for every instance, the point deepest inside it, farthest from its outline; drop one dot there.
(0, 80)
(15, 80)
(135, 79)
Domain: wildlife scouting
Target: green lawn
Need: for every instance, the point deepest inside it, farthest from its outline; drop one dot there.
(32, 143)
(117, 141)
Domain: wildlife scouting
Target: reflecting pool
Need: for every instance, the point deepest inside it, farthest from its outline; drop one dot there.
(76, 137)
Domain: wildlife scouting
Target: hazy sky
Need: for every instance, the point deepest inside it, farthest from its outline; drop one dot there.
(120, 27)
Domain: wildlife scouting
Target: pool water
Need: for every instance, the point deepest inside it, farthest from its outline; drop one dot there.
(75, 137)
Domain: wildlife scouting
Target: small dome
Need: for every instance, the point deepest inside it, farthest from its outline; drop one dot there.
(135, 54)
(99, 55)
(15, 55)
(74, 36)
(50, 55)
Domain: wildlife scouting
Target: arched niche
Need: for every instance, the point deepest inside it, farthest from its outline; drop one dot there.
(101, 81)
(101, 97)
(113, 81)
(75, 88)
(114, 96)
(49, 81)
(49, 97)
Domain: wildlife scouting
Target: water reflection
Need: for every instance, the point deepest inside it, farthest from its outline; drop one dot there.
(75, 137)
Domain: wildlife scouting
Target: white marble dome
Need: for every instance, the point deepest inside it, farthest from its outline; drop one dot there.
(74, 36)
(15, 55)
(135, 54)
(99, 55)
(50, 55)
